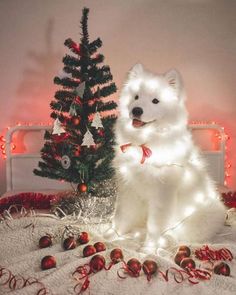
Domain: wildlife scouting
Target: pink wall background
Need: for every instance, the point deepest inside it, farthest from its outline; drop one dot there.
(198, 37)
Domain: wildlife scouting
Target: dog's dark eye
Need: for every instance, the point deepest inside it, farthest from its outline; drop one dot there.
(136, 97)
(155, 100)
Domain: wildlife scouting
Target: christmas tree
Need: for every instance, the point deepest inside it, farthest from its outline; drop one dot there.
(79, 149)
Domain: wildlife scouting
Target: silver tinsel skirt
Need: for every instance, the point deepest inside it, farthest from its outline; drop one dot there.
(90, 207)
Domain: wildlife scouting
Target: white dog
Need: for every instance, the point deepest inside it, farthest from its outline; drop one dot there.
(163, 185)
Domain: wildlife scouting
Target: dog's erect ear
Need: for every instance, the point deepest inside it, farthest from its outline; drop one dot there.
(136, 70)
(174, 79)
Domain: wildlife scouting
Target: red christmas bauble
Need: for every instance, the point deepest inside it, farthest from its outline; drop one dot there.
(134, 266)
(59, 138)
(48, 262)
(45, 241)
(187, 263)
(150, 267)
(97, 263)
(116, 255)
(69, 243)
(222, 269)
(82, 187)
(185, 249)
(78, 151)
(100, 246)
(101, 132)
(75, 120)
(180, 256)
(83, 238)
(89, 250)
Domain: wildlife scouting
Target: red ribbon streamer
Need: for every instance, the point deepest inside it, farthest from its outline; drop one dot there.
(189, 274)
(206, 253)
(17, 282)
(146, 151)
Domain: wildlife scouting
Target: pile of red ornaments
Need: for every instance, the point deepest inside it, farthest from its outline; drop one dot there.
(92, 249)
(183, 259)
(133, 267)
(69, 243)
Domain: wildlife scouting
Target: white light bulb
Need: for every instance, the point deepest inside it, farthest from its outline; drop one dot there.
(188, 175)
(134, 85)
(168, 94)
(137, 234)
(189, 211)
(152, 84)
(147, 131)
(123, 169)
(199, 198)
(162, 242)
(129, 126)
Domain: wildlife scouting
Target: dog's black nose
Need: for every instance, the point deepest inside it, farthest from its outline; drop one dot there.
(137, 112)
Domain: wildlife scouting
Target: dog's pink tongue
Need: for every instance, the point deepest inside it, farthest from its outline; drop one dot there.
(137, 123)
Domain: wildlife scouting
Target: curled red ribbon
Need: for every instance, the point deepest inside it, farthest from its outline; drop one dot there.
(206, 253)
(192, 275)
(17, 282)
(146, 151)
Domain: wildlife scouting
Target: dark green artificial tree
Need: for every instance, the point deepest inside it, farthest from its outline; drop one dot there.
(79, 150)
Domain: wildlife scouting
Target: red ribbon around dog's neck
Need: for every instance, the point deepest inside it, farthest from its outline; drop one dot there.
(146, 151)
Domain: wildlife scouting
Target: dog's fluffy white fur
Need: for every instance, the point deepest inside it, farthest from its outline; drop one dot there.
(173, 181)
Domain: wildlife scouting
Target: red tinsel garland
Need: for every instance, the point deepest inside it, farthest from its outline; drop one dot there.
(28, 201)
(31, 200)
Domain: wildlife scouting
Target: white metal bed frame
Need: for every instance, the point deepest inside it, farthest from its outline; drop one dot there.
(217, 157)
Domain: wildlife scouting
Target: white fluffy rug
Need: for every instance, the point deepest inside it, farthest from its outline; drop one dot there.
(19, 253)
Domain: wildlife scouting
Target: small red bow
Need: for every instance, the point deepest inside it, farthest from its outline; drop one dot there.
(146, 151)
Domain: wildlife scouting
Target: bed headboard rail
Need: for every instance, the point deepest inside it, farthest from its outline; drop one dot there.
(19, 166)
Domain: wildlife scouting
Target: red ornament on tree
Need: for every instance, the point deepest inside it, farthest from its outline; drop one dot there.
(78, 151)
(222, 269)
(48, 262)
(180, 256)
(97, 263)
(83, 238)
(76, 120)
(187, 263)
(101, 132)
(89, 250)
(134, 267)
(149, 268)
(82, 187)
(116, 255)
(100, 246)
(69, 243)
(45, 241)
(185, 249)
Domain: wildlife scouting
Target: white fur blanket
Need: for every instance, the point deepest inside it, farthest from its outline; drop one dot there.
(20, 254)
